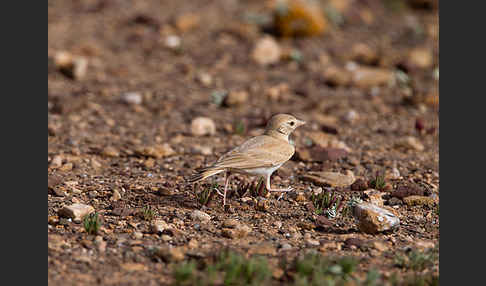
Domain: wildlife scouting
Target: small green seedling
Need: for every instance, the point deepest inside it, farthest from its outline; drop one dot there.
(240, 128)
(328, 203)
(92, 223)
(148, 213)
(205, 196)
(378, 182)
(259, 189)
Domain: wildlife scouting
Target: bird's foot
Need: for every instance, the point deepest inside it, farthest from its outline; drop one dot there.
(283, 191)
(288, 189)
(219, 192)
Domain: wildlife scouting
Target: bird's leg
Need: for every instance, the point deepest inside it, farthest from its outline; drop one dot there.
(288, 189)
(226, 181)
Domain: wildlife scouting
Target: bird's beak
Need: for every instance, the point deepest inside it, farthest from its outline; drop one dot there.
(300, 122)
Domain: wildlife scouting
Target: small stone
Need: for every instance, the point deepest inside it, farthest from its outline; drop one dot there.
(285, 246)
(192, 244)
(393, 174)
(297, 18)
(312, 242)
(95, 164)
(100, 243)
(115, 196)
(138, 235)
(205, 79)
(188, 21)
(335, 76)
(155, 151)
(367, 77)
(327, 140)
(200, 215)
(419, 201)
(110, 151)
(66, 167)
(74, 67)
(394, 201)
(300, 197)
(80, 67)
(149, 163)
(353, 241)
(235, 98)
(379, 245)
(423, 244)
(158, 226)
(420, 58)
(204, 150)
(362, 53)
(406, 190)
(359, 185)
(238, 231)
(331, 245)
(266, 51)
(170, 254)
(56, 162)
(374, 219)
(201, 126)
(276, 92)
(351, 116)
(321, 154)
(323, 222)
(263, 248)
(277, 224)
(374, 196)
(76, 211)
(132, 98)
(332, 179)
(230, 223)
(410, 142)
(277, 273)
(262, 204)
(166, 237)
(133, 267)
(173, 42)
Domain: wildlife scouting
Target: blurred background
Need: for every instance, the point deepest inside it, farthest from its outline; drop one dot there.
(142, 70)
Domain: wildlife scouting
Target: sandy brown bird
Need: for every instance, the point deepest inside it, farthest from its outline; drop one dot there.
(258, 156)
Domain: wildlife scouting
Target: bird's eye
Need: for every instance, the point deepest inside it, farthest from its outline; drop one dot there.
(292, 123)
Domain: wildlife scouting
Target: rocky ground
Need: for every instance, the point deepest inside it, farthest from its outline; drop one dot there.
(141, 93)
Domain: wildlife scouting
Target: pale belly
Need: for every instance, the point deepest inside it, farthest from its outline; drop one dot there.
(258, 171)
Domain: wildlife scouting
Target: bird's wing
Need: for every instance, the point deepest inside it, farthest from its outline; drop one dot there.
(259, 152)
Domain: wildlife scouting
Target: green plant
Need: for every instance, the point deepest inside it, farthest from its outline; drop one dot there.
(372, 278)
(315, 269)
(91, 223)
(242, 271)
(414, 279)
(255, 189)
(205, 196)
(378, 182)
(328, 203)
(147, 213)
(348, 207)
(416, 260)
(230, 267)
(218, 96)
(184, 273)
(240, 127)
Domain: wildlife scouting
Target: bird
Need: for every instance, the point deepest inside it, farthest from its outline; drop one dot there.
(258, 156)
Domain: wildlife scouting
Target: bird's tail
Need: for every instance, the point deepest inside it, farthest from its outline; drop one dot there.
(204, 173)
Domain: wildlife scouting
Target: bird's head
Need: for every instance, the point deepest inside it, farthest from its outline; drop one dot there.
(282, 125)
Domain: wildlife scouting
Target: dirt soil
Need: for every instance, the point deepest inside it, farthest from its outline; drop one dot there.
(122, 153)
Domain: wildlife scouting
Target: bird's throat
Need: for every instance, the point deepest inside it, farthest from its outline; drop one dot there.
(277, 135)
